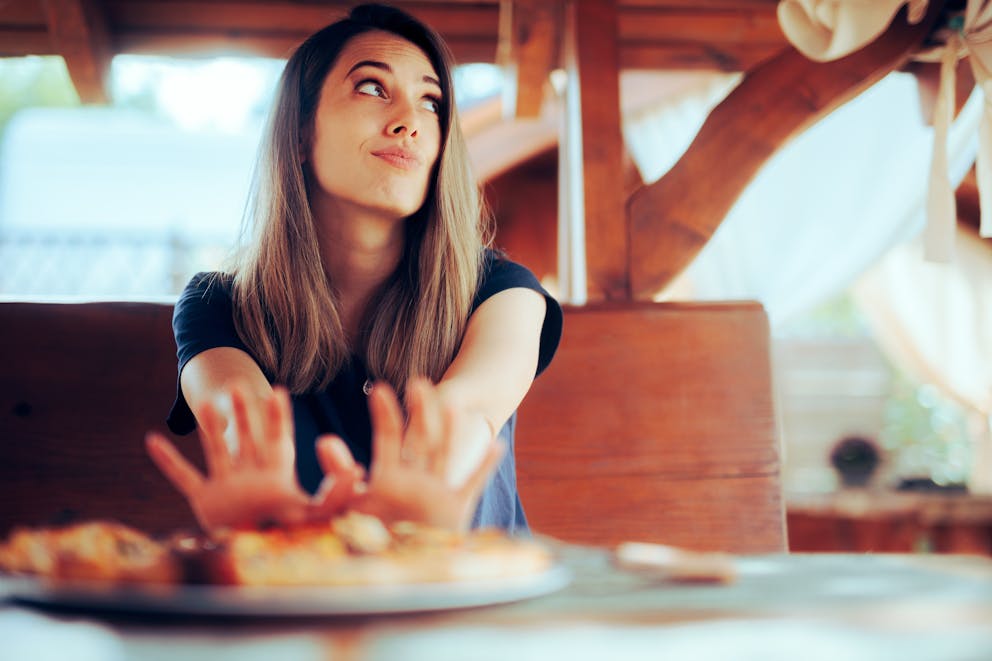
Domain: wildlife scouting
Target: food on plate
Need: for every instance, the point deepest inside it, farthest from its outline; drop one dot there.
(355, 549)
(96, 550)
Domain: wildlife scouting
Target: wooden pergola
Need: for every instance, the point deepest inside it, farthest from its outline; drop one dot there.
(781, 94)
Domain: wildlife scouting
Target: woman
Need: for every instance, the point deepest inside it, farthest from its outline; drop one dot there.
(364, 264)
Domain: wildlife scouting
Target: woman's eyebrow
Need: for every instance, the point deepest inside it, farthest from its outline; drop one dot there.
(370, 63)
(375, 64)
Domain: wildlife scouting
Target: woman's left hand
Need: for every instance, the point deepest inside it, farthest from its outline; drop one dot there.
(408, 479)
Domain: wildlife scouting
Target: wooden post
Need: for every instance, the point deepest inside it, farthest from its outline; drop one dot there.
(79, 33)
(571, 202)
(592, 153)
(528, 45)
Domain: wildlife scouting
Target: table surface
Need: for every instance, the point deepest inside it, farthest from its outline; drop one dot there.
(788, 606)
(866, 503)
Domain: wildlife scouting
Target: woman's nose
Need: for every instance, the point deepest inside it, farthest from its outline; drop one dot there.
(404, 120)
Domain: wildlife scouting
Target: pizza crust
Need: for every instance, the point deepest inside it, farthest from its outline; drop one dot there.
(352, 550)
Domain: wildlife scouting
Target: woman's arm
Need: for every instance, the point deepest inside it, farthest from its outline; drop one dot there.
(493, 370)
(208, 378)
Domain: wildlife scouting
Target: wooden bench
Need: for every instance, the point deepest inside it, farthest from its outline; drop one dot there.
(655, 421)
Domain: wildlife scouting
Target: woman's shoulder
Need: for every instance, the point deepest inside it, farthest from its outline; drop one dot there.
(206, 285)
(499, 272)
(207, 294)
(204, 314)
(207, 280)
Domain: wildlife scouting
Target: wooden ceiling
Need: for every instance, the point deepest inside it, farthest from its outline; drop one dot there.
(659, 34)
(728, 35)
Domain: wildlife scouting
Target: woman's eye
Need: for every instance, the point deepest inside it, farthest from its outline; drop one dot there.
(371, 88)
(432, 104)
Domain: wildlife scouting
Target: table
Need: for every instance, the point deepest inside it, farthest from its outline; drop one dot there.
(788, 606)
(879, 520)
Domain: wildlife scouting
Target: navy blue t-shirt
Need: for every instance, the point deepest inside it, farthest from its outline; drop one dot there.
(204, 319)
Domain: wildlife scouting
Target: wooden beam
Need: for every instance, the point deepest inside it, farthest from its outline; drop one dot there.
(607, 244)
(507, 144)
(16, 42)
(705, 26)
(968, 205)
(769, 5)
(447, 18)
(727, 35)
(528, 45)
(275, 28)
(673, 218)
(695, 56)
(698, 37)
(79, 32)
(278, 45)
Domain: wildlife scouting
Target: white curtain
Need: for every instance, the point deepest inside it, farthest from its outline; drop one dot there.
(826, 206)
(935, 320)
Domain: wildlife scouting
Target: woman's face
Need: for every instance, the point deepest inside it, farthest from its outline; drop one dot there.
(377, 129)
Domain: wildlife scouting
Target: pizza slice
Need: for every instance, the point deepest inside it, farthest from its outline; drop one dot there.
(92, 551)
(355, 549)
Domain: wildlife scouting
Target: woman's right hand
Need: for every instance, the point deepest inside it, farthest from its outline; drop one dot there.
(409, 476)
(256, 482)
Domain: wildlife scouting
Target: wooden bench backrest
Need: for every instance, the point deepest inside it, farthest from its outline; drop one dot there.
(653, 422)
(79, 387)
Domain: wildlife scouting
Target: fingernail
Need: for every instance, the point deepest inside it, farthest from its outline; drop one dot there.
(341, 451)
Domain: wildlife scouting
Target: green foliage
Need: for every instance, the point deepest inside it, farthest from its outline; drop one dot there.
(30, 82)
(925, 433)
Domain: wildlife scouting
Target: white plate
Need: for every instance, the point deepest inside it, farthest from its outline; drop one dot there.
(285, 601)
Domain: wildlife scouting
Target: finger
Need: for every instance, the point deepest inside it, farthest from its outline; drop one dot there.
(342, 475)
(426, 422)
(279, 442)
(183, 475)
(215, 450)
(333, 455)
(387, 428)
(244, 429)
(477, 480)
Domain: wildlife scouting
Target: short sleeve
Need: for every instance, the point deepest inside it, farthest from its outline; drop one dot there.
(500, 274)
(202, 319)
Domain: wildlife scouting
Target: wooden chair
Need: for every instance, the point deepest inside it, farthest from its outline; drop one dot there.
(655, 422)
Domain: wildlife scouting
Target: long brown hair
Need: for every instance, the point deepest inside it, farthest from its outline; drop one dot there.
(285, 307)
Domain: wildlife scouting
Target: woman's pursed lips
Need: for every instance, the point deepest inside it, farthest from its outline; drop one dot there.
(400, 158)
